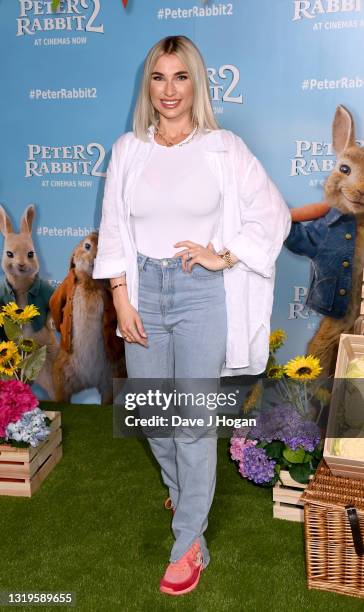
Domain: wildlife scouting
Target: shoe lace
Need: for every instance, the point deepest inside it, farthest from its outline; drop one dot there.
(184, 562)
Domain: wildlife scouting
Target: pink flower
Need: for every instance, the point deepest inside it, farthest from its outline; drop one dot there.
(237, 446)
(15, 398)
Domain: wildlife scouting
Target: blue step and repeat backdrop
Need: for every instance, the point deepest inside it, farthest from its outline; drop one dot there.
(69, 81)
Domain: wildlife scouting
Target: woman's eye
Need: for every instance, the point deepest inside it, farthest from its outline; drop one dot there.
(183, 77)
(345, 169)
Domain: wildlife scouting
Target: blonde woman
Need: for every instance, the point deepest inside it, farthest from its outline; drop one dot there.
(191, 228)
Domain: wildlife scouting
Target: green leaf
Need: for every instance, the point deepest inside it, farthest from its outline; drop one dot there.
(317, 453)
(294, 456)
(300, 472)
(275, 449)
(307, 457)
(12, 329)
(33, 364)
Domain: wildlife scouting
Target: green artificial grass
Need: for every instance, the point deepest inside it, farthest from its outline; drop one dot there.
(97, 527)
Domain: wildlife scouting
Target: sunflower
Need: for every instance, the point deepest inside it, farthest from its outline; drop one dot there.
(20, 315)
(28, 345)
(2, 319)
(303, 367)
(276, 339)
(8, 350)
(10, 366)
(275, 371)
(9, 309)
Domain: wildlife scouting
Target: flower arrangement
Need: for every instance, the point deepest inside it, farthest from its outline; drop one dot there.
(281, 439)
(22, 422)
(285, 436)
(20, 357)
(295, 382)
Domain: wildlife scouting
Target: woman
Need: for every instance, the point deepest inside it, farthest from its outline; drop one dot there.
(190, 231)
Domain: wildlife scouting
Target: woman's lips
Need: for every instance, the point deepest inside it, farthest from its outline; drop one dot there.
(170, 103)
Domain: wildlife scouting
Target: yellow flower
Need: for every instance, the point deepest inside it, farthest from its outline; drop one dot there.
(303, 367)
(8, 350)
(10, 366)
(276, 339)
(275, 371)
(2, 319)
(28, 345)
(323, 396)
(10, 309)
(252, 397)
(20, 315)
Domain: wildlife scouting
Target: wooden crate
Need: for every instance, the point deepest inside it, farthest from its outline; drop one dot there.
(286, 498)
(350, 346)
(22, 470)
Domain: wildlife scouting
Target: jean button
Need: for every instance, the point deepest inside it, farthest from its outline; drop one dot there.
(165, 262)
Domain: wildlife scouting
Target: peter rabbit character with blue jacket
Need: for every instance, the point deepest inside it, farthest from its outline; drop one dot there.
(23, 286)
(335, 245)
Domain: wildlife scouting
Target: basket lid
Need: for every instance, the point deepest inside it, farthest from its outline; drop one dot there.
(327, 489)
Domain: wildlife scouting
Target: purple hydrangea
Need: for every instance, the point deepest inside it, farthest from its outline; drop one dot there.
(276, 423)
(307, 436)
(284, 423)
(256, 465)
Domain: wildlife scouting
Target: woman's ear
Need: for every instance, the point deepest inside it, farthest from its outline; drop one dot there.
(310, 211)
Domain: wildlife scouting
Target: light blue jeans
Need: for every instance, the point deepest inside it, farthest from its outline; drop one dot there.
(184, 317)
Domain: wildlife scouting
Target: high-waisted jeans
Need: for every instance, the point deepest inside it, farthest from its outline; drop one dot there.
(184, 317)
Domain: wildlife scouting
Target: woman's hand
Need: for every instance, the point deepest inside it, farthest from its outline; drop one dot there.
(129, 321)
(196, 253)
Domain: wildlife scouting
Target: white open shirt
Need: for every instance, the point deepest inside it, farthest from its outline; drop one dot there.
(254, 222)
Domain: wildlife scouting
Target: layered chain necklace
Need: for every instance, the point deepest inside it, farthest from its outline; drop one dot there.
(178, 144)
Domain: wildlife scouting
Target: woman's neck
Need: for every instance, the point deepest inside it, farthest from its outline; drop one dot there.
(173, 131)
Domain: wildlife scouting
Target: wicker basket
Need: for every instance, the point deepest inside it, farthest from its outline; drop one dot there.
(334, 550)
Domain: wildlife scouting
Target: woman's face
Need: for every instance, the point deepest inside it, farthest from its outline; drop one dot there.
(171, 89)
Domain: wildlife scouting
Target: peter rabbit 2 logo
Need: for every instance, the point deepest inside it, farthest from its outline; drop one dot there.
(310, 9)
(224, 82)
(72, 161)
(313, 156)
(37, 16)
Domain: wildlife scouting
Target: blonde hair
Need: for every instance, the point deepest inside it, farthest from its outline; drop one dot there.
(202, 113)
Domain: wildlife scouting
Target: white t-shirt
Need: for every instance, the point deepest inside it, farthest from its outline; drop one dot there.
(176, 198)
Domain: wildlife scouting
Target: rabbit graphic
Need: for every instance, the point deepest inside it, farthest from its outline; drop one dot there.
(335, 244)
(91, 354)
(23, 286)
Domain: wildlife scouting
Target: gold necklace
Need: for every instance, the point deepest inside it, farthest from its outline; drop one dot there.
(178, 144)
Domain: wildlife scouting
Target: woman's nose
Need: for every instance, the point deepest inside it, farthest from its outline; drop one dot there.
(169, 89)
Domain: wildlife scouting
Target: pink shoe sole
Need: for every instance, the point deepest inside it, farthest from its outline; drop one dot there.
(191, 587)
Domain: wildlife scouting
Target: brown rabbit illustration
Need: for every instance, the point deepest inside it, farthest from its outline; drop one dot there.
(23, 286)
(335, 244)
(91, 354)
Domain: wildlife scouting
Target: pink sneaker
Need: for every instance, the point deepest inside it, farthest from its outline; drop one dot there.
(168, 504)
(182, 576)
